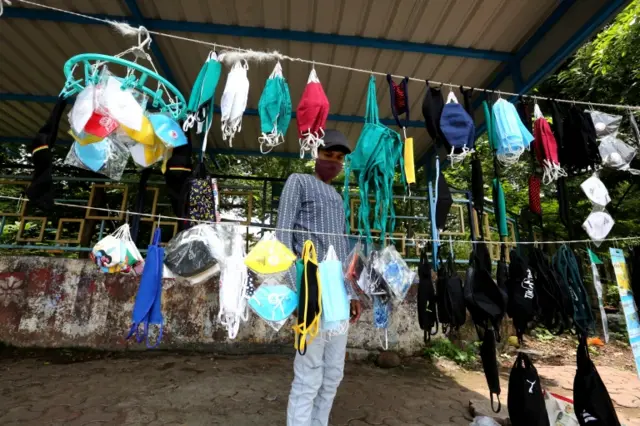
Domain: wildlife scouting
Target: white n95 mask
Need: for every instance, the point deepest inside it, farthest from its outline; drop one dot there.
(598, 225)
(596, 191)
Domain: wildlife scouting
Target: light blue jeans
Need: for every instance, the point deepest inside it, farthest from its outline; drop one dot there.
(316, 377)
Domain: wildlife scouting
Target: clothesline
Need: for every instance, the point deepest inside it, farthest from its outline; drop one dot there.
(277, 56)
(160, 218)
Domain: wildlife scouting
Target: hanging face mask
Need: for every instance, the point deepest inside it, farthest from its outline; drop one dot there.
(269, 256)
(394, 271)
(399, 95)
(458, 129)
(234, 101)
(168, 130)
(274, 109)
(144, 136)
(93, 156)
(381, 314)
(100, 125)
(617, 154)
(121, 104)
(108, 157)
(605, 124)
(274, 302)
(511, 136)
(545, 147)
(335, 301)
(84, 138)
(82, 109)
(596, 191)
(598, 225)
(200, 105)
(233, 287)
(311, 116)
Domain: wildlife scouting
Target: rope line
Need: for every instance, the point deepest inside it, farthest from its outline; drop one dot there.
(276, 56)
(158, 218)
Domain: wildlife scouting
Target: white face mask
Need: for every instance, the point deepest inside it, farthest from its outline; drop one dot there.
(598, 225)
(233, 287)
(82, 109)
(596, 191)
(234, 101)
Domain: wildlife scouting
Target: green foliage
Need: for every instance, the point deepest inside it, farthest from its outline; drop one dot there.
(543, 335)
(444, 348)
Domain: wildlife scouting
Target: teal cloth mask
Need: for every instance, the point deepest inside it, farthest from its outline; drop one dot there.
(274, 109)
(274, 302)
(202, 94)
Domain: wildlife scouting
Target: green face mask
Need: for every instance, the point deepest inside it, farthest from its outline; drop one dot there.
(203, 92)
(274, 109)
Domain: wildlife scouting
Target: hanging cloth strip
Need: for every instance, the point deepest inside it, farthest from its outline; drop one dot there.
(477, 189)
(546, 149)
(310, 300)
(374, 161)
(432, 106)
(147, 308)
(399, 95)
(274, 109)
(311, 116)
(200, 106)
(234, 101)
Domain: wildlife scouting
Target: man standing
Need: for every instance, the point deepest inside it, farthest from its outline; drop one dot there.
(310, 204)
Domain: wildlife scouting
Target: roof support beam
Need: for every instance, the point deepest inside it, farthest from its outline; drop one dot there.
(265, 33)
(21, 97)
(139, 19)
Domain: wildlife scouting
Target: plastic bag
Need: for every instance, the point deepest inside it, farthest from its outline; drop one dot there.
(117, 253)
(82, 109)
(196, 250)
(124, 105)
(107, 157)
(605, 124)
(394, 271)
(617, 154)
(560, 410)
(270, 257)
(484, 421)
(274, 302)
(233, 289)
(353, 269)
(335, 300)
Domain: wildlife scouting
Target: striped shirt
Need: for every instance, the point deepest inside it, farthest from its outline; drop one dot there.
(307, 204)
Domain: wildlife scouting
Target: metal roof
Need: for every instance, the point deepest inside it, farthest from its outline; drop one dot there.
(506, 44)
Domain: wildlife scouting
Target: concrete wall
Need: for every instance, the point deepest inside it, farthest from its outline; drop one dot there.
(50, 302)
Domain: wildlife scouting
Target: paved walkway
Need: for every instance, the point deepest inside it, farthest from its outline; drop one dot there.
(202, 390)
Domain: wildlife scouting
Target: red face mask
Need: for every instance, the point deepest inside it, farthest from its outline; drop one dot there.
(327, 170)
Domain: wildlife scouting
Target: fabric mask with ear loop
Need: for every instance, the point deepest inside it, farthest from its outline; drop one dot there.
(399, 95)
(274, 109)
(458, 129)
(311, 116)
(234, 101)
(545, 147)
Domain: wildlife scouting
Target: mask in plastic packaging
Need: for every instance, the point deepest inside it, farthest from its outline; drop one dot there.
(394, 271)
(84, 138)
(100, 125)
(233, 287)
(107, 157)
(195, 250)
(144, 136)
(605, 124)
(117, 253)
(596, 191)
(168, 130)
(82, 109)
(598, 225)
(274, 303)
(617, 154)
(121, 104)
(353, 269)
(270, 256)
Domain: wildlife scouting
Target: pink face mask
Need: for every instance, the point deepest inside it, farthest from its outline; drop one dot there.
(327, 170)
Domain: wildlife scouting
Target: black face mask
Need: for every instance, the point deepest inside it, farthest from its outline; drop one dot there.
(432, 106)
(526, 400)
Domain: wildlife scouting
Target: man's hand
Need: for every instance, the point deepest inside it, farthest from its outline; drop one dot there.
(356, 310)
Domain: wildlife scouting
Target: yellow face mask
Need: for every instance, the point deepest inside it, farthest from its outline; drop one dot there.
(269, 257)
(84, 138)
(145, 135)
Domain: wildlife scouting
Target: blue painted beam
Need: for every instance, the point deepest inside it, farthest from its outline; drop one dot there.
(21, 97)
(266, 33)
(155, 49)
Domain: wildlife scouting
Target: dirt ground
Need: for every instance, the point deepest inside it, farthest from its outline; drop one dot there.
(70, 388)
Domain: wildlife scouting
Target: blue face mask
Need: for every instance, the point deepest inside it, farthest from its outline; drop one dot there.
(381, 307)
(274, 302)
(94, 155)
(168, 130)
(335, 301)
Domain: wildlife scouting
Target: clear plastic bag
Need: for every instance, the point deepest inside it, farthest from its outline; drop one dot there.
(233, 289)
(617, 154)
(605, 124)
(394, 271)
(125, 106)
(197, 250)
(353, 268)
(274, 301)
(107, 157)
(82, 109)
(117, 253)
